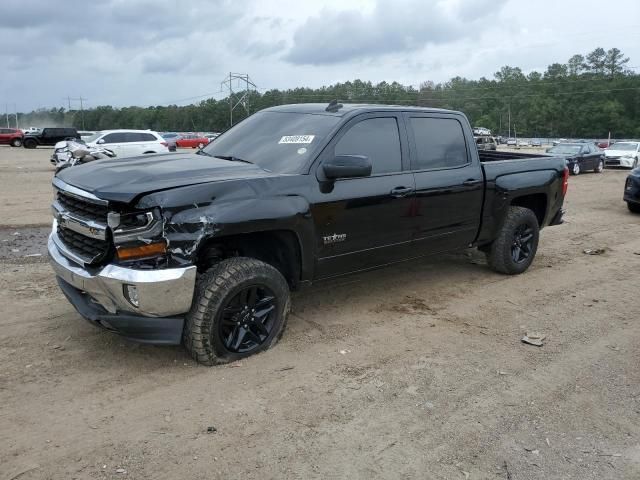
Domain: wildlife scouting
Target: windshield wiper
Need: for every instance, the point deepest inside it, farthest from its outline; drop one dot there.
(232, 158)
(202, 152)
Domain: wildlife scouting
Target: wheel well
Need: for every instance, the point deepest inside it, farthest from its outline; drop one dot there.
(279, 248)
(536, 202)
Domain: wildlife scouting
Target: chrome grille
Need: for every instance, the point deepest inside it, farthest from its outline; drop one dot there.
(82, 208)
(81, 231)
(91, 250)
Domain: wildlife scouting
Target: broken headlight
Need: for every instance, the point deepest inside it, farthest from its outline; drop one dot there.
(135, 226)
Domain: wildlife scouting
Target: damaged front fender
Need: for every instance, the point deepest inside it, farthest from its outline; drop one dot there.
(196, 214)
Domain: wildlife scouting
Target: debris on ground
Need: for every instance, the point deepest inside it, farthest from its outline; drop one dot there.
(344, 352)
(594, 251)
(121, 470)
(212, 429)
(534, 338)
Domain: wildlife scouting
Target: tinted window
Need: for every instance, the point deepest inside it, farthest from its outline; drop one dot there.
(378, 139)
(440, 143)
(114, 138)
(5, 130)
(138, 137)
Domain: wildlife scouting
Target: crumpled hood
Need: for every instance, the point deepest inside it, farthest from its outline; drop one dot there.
(124, 179)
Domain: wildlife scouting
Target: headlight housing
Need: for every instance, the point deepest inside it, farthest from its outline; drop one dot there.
(142, 226)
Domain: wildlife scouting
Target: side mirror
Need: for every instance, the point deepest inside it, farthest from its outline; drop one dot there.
(101, 141)
(347, 166)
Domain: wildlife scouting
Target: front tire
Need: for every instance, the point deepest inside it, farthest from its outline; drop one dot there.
(513, 251)
(29, 143)
(240, 308)
(633, 207)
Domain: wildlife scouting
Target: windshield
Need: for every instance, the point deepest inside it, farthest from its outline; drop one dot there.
(565, 149)
(279, 142)
(93, 137)
(624, 146)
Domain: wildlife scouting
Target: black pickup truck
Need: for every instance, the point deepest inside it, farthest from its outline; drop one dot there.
(49, 136)
(205, 247)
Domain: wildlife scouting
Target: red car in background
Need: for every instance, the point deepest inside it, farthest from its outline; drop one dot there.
(11, 136)
(191, 140)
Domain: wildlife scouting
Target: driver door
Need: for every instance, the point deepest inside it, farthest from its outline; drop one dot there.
(365, 222)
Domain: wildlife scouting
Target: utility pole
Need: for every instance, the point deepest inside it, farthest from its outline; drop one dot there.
(6, 113)
(15, 111)
(81, 100)
(509, 121)
(238, 98)
(82, 111)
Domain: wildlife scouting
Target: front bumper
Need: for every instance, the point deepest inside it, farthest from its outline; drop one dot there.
(99, 295)
(619, 161)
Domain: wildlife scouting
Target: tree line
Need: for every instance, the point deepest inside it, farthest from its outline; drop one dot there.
(588, 96)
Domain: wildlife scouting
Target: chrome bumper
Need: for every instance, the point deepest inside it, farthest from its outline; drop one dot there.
(161, 293)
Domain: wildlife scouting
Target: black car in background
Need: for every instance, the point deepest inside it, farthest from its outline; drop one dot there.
(49, 136)
(579, 156)
(632, 191)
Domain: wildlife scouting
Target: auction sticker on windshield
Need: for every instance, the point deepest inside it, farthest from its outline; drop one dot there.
(298, 139)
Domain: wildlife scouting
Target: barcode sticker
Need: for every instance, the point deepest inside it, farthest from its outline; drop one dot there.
(297, 139)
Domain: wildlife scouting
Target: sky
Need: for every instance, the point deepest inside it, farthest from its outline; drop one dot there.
(161, 52)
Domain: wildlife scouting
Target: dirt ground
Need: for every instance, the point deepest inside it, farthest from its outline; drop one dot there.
(416, 371)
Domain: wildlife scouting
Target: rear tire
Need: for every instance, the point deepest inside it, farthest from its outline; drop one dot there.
(600, 167)
(513, 251)
(220, 312)
(16, 142)
(30, 143)
(633, 207)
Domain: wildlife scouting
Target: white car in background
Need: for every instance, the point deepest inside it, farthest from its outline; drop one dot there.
(129, 143)
(622, 154)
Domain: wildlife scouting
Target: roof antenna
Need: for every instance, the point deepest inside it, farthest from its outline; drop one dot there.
(334, 106)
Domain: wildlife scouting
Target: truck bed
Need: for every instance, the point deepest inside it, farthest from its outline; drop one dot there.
(494, 156)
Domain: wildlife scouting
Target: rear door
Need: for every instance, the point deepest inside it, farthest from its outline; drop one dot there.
(365, 222)
(449, 183)
(4, 135)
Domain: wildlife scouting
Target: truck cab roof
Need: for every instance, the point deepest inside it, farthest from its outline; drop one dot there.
(351, 108)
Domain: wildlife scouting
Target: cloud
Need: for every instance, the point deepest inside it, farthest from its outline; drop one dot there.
(151, 52)
(401, 26)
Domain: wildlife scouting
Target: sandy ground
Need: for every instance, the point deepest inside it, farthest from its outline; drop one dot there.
(416, 371)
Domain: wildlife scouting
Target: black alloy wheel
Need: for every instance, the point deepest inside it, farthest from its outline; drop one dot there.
(522, 245)
(240, 308)
(247, 319)
(516, 243)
